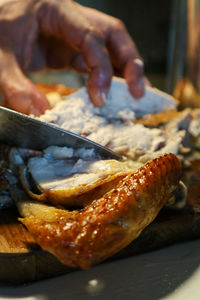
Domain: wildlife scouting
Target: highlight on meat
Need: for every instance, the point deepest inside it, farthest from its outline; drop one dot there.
(84, 209)
(105, 226)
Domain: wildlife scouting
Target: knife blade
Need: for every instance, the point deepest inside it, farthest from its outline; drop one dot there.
(17, 129)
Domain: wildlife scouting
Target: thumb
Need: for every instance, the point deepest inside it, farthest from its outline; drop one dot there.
(18, 91)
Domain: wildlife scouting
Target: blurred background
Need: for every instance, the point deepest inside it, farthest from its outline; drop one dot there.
(148, 22)
(152, 26)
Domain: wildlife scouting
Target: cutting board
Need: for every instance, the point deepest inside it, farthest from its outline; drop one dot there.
(22, 261)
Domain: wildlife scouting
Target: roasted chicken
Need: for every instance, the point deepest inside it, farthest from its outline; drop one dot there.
(85, 237)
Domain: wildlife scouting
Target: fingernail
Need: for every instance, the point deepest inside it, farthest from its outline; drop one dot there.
(140, 84)
(100, 97)
(138, 62)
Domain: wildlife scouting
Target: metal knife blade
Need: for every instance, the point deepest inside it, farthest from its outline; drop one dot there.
(26, 132)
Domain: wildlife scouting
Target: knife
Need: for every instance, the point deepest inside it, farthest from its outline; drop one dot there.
(17, 129)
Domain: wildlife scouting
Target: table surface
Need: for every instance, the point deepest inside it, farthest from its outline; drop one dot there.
(169, 273)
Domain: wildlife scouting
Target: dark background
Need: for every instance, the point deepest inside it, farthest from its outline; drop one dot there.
(148, 22)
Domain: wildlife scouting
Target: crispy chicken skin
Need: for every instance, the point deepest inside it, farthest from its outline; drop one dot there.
(105, 226)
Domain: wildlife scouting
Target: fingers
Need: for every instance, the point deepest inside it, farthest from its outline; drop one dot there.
(101, 70)
(79, 64)
(134, 74)
(19, 93)
(67, 22)
(126, 59)
(18, 33)
(122, 50)
(27, 100)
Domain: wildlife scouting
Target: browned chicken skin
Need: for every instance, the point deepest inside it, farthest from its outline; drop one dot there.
(86, 237)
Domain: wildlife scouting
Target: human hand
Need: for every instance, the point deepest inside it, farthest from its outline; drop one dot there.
(62, 34)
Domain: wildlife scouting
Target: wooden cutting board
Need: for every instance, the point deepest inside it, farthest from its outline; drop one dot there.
(22, 261)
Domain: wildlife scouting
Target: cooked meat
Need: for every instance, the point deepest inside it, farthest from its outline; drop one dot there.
(155, 120)
(62, 173)
(105, 226)
(138, 142)
(113, 126)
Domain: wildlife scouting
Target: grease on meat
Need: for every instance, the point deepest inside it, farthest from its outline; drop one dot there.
(105, 226)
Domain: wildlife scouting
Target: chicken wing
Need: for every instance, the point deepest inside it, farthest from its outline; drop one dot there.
(101, 229)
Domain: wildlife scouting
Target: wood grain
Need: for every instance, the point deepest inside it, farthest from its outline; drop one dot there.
(14, 238)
